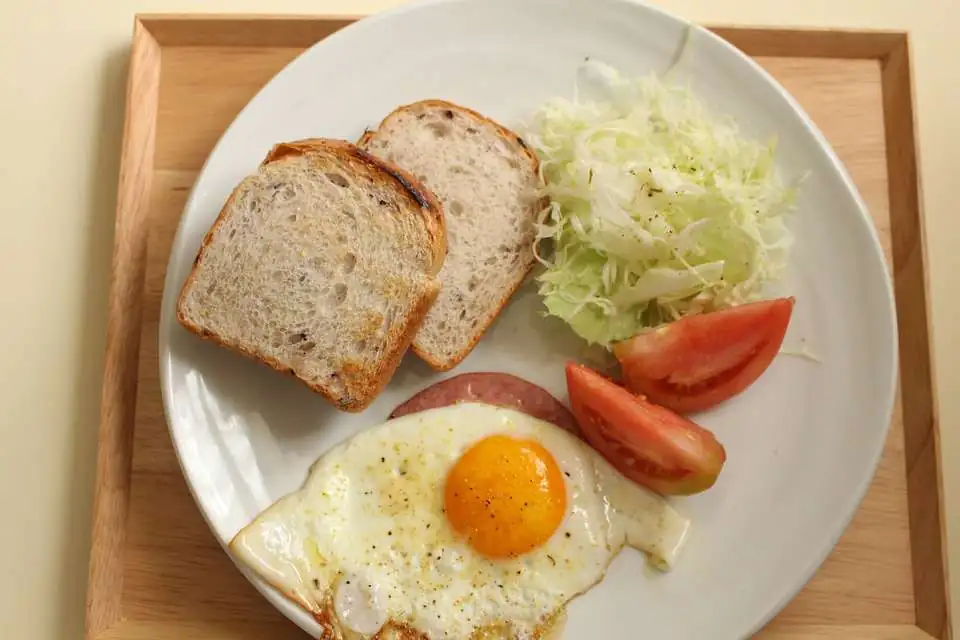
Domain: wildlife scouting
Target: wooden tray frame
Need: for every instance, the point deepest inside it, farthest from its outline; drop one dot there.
(106, 617)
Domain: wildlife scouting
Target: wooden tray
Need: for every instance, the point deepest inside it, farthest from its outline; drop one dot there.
(157, 571)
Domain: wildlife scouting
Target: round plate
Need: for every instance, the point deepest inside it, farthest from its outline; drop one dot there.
(802, 443)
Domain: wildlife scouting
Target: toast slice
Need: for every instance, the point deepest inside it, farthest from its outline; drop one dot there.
(487, 180)
(322, 264)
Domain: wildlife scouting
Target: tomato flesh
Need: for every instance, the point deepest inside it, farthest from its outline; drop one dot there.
(697, 362)
(650, 445)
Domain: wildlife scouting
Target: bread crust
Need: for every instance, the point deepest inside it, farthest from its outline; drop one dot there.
(362, 385)
(435, 103)
(434, 361)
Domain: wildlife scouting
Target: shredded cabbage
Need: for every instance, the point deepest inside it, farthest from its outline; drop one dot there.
(657, 208)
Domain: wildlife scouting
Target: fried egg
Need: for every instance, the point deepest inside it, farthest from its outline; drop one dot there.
(469, 521)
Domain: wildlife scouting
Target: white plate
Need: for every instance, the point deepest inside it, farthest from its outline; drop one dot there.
(803, 442)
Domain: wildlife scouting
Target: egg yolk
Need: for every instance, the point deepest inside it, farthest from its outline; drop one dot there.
(506, 496)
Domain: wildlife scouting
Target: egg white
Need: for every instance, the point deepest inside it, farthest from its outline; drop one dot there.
(365, 540)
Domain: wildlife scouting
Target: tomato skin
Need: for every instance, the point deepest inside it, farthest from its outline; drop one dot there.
(697, 362)
(650, 445)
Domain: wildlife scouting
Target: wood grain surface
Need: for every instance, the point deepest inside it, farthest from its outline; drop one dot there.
(118, 402)
(158, 572)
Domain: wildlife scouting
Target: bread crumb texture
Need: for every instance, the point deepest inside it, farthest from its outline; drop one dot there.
(487, 181)
(314, 266)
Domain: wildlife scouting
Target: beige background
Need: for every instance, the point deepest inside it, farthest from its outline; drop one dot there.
(62, 68)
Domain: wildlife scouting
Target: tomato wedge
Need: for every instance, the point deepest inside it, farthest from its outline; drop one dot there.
(697, 362)
(650, 445)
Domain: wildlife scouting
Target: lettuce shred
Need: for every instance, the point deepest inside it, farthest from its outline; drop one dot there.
(657, 208)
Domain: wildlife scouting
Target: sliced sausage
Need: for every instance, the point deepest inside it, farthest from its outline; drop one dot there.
(498, 389)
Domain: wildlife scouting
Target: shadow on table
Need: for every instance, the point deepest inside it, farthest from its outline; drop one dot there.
(100, 211)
